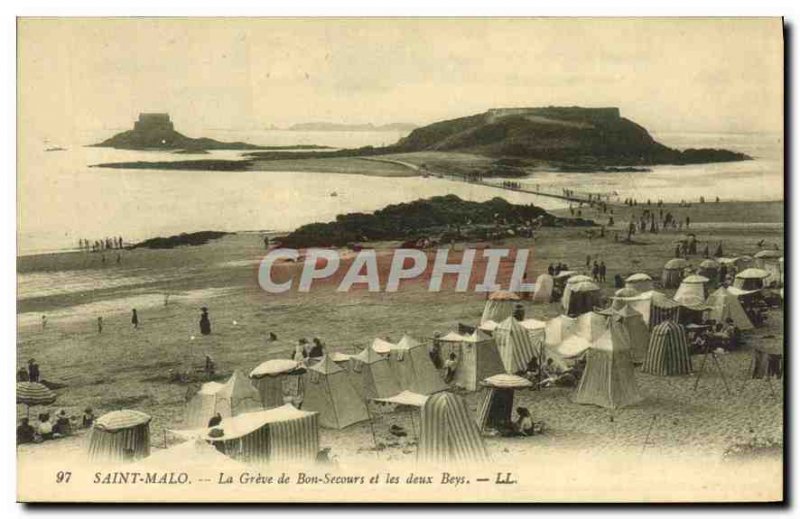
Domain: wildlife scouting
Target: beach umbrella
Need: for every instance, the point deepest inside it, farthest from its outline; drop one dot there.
(770, 254)
(503, 295)
(32, 394)
(580, 278)
(498, 402)
(695, 278)
(626, 292)
(709, 264)
(753, 273)
(676, 263)
(122, 419)
(641, 276)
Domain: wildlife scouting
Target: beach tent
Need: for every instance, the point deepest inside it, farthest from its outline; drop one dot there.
(710, 269)
(514, 345)
(120, 436)
(692, 287)
(739, 262)
(544, 289)
(608, 380)
(448, 433)
(497, 407)
(630, 322)
(591, 325)
(536, 331)
(235, 396)
(414, 368)
(269, 378)
(618, 300)
(724, 306)
(672, 274)
(654, 306)
(571, 282)
(558, 329)
(580, 297)
(770, 261)
(283, 434)
(330, 392)
(488, 327)
(341, 359)
(372, 375)
(668, 353)
(478, 359)
(499, 306)
(191, 456)
(750, 279)
(640, 282)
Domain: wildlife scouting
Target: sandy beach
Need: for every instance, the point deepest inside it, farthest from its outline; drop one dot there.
(127, 368)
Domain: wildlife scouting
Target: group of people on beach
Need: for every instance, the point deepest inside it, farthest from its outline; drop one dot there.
(49, 429)
(101, 244)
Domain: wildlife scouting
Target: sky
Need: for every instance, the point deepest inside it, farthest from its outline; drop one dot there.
(669, 75)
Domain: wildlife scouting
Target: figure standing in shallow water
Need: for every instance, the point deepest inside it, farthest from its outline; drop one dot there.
(205, 323)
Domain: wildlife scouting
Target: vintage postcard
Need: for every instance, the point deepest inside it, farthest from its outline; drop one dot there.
(509, 260)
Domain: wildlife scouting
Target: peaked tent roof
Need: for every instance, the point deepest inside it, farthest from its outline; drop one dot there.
(329, 391)
(724, 305)
(414, 368)
(608, 379)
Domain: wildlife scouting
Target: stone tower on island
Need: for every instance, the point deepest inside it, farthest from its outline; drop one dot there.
(153, 122)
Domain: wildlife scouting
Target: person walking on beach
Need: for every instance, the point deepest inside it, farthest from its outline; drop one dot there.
(603, 271)
(33, 370)
(100, 324)
(135, 320)
(44, 322)
(596, 271)
(205, 322)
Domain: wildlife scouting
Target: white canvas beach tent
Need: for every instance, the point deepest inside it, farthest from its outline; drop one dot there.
(514, 345)
(672, 275)
(330, 392)
(581, 297)
(691, 287)
(478, 359)
(414, 368)
(591, 325)
(269, 378)
(544, 289)
(234, 397)
(608, 379)
(751, 279)
(724, 306)
(499, 306)
(631, 323)
(562, 341)
(654, 306)
(372, 375)
(571, 282)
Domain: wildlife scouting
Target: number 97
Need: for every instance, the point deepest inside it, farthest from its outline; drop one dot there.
(63, 476)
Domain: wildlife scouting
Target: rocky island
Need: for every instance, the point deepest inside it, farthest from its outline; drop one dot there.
(502, 142)
(155, 131)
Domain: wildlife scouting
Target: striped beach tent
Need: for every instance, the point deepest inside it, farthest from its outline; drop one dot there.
(672, 274)
(283, 434)
(668, 353)
(329, 391)
(654, 306)
(497, 406)
(608, 379)
(514, 345)
(448, 433)
(120, 436)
